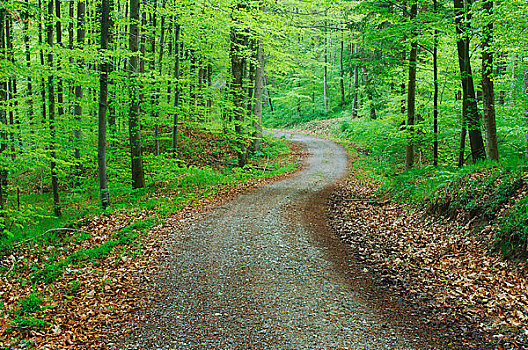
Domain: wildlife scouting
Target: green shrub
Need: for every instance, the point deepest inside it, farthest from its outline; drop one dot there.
(49, 273)
(30, 304)
(74, 286)
(27, 323)
(512, 237)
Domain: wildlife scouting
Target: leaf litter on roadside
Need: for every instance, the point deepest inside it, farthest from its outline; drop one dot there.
(464, 287)
(84, 297)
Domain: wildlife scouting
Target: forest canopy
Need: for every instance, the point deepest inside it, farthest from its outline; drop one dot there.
(105, 89)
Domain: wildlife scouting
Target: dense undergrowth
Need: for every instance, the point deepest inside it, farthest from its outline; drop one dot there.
(489, 197)
(206, 159)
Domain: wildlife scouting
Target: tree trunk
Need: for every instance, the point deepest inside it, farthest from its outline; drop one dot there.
(470, 110)
(435, 98)
(160, 70)
(267, 94)
(177, 90)
(77, 110)
(325, 74)
(257, 107)
(525, 92)
(411, 93)
(44, 111)
(356, 83)
(3, 116)
(134, 126)
(60, 88)
(462, 145)
(28, 65)
(155, 96)
(237, 63)
(11, 87)
(51, 115)
(488, 92)
(103, 106)
(251, 81)
(342, 74)
(351, 64)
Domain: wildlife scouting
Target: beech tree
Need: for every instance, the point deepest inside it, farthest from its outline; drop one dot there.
(103, 105)
(411, 89)
(470, 114)
(488, 91)
(134, 126)
(238, 45)
(3, 118)
(51, 113)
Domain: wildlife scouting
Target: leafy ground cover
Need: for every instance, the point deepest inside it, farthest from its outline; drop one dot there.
(450, 241)
(62, 286)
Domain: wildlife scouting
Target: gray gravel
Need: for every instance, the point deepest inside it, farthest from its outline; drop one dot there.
(263, 272)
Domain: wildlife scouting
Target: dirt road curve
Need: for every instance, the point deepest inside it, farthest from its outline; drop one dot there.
(263, 272)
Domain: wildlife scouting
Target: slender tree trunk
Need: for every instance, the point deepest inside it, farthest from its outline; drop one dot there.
(51, 115)
(160, 70)
(3, 116)
(411, 93)
(155, 95)
(435, 102)
(350, 71)
(525, 93)
(251, 82)
(209, 85)
(28, 65)
(259, 93)
(470, 111)
(177, 90)
(325, 73)
(488, 91)
(103, 107)
(71, 20)
(356, 82)
(43, 81)
(342, 73)
(134, 125)
(77, 110)
(60, 88)
(267, 94)
(11, 86)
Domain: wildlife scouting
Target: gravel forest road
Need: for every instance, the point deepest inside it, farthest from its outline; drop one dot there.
(264, 272)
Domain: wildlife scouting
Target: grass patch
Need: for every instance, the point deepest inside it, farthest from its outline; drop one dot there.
(27, 323)
(54, 270)
(24, 315)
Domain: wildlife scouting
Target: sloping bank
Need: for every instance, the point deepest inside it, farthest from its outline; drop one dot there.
(452, 242)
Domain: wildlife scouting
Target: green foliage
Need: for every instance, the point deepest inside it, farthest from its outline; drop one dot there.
(27, 323)
(52, 271)
(29, 304)
(74, 286)
(206, 101)
(512, 238)
(49, 273)
(23, 316)
(482, 191)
